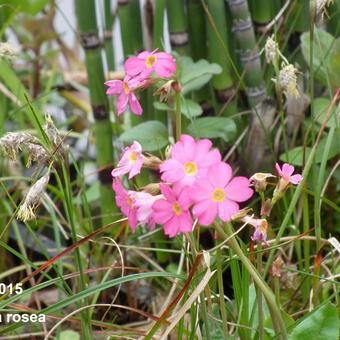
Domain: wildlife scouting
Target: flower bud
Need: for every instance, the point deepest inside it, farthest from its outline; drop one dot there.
(240, 214)
(152, 188)
(276, 268)
(266, 207)
(152, 162)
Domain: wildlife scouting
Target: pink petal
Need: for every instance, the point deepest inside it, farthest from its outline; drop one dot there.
(115, 87)
(135, 105)
(238, 189)
(168, 193)
(220, 174)
(202, 147)
(171, 227)
(121, 103)
(177, 152)
(278, 169)
(189, 146)
(226, 209)
(296, 179)
(136, 168)
(184, 199)
(205, 211)
(201, 191)
(186, 222)
(143, 55)
(172, 171)
(133, 66)
(287, 170)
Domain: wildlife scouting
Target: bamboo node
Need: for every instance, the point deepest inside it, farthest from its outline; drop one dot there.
(90, 41)
(108, 34)
(234, 3)
(100, 112)
(242, 25)
(179, 38)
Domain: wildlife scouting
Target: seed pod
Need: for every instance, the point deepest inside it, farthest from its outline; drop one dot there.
(32, 200)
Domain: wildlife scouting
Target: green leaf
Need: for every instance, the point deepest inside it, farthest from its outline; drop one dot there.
(32, 7)
(326, 56)
(152, 135)
(213, 127)
(295, 155)
(321, 106)
(69, 335)
(320, 324)
(194, 75)
(189, 108)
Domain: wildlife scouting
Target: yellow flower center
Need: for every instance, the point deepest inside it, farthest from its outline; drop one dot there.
(218, 195)
(126, 87)
(129, 202)
(133, 157)
(190, 168)
(150, 60)
(176, 209)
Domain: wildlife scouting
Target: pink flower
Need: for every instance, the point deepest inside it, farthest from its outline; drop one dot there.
(124, 90)
(163, 64)
(218, 193)
(189, 162)
(143, 202)
(173, 211)
(131, 161)
(124, 200)
(286, 173)
(261, 227)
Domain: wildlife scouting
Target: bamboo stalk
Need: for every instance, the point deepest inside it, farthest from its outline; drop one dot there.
(249, 54)
(218, 51)
(178, 26)
(197, 30)
(130, 26)
(109, 16)
(86, 15)
(158, 24)
(263, 11)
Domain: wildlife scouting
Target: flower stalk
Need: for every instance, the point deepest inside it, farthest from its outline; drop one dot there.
(277, 320)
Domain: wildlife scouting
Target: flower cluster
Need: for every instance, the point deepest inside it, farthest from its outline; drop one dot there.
(138, 74)
(196, 184)
(287, 75)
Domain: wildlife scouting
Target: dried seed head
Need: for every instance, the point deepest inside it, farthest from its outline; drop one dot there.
(288, 80)
(32, 200)
(271, 50)
(36, 153)
(321, 6)
(259, 180)
(13, 142)
(52, 132)
(7, 51)
(164, 91)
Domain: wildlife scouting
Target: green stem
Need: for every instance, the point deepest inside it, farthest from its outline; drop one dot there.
(259, 294)
(277, 289)
(277, 320)
(178, 115)
(223, 307)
